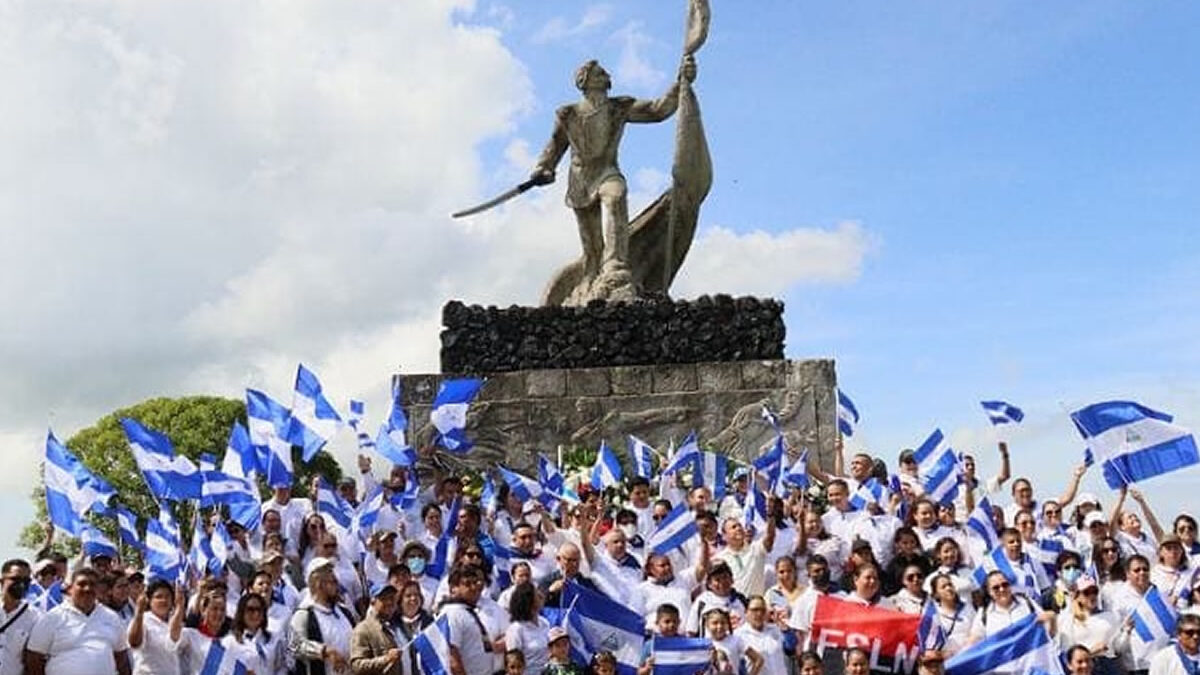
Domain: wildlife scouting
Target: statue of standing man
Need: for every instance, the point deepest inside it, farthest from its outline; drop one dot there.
(596, 189)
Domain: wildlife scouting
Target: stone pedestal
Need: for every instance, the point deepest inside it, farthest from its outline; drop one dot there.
(524, 412)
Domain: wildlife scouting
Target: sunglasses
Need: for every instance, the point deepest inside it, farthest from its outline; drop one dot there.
(1190, 632)
(1001, 587)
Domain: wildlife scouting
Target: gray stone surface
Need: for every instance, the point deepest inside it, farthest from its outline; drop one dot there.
(656, 403)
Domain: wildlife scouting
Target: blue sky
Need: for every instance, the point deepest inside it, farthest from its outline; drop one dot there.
(957, 201)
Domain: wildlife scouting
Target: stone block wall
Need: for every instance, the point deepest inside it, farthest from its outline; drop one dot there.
(524, 412)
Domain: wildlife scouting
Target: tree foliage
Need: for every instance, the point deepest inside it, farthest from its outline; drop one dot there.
(195, 425)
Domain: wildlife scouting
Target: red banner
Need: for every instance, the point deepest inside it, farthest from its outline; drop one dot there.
(889, 636)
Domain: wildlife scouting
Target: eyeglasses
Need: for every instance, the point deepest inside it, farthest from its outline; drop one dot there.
(1190, 632)
(1138, 570)
(1108, 549)
(1052, 512)
(909, 577)
(1185, 528)
(473, 554)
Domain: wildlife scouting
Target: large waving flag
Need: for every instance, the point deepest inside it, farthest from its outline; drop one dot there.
(999, 412)
(433, 647)
(673, 531)
(71, 490)
(680, 655)
(240, 458)
(685, 456)
(269, 423)
(314, 420)
(169, 476)
(643, 457)
(96, 542)
(553, 484)
(869, 492)
(981, 526)
(939, 468)
(1153, 624)
(606, 472)
(596, 623)
(127, 527)
(221, 488)
(1017, 648)
(1134, 442)
(449, 413)
(797, 475)
(710, 469)
(386, 445)
(163, 557)
(769, 465)
(930, 634)
(847, 414)
(524, 489)
(1022, 579)
(367, 513)
(336, 511)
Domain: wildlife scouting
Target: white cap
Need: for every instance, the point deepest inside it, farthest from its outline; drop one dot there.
(1087, 498)
(316, 564)
(1092, 518)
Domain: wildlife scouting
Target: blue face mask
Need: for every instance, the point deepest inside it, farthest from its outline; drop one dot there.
(1071, 575)
(415, 565)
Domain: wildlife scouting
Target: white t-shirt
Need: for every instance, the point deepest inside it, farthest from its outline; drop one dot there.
(12, 643)
(992, 618)
(158, 653)
(465, 637)
(74, 642)
(748, 566)
(532, 638)
(768, 642)
(734, 649)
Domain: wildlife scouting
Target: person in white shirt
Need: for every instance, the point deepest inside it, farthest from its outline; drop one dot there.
(720, 594)
(17, 616)
(251, 642)
(79, 635)
(1004, 609)
(1182, 657)
(1083, 623)
(156, 628)
(762, 636)
(320, 629)
(1127, 527)
(748, 558)
(470, 651)
(291, 510)
(528, 632)
(837, 518)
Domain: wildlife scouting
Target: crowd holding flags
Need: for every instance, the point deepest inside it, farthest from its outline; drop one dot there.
(600, 611)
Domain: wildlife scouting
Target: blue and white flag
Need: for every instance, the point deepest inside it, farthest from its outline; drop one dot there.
(397, 421)
(210, 551)
(939, 468)
(869, 492)
(221, 662)
(354, 419)
(96, 543)
(221, 488)
(449, 413)
(433, 647)
(643, 457)
(487, 497)
(847, 414)
(999, 412)
(338, 514)
(797, 475)
(685, 456)
(1019, 574)
(240, 458)
(368, 510)
(1153, 624)
(709, 469)
(1045, 552)
(314, 420)
(769, 465)
(772, 419)
(47, 598)
(930, 634)
(439, 561)
(595, 623)
(981, 526)
(71, 490)
(163, 556)
(386, 445)
(673, 531)
(553, 484)
(207, 462)
(169, 476)
(524, 489)
(269, 424)
(754, 511)
(1134, 442)
(1017, 648)
(680, 655)
(606, 472)
(127, 527)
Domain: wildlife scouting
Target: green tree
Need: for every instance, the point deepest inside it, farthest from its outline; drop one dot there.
(195, 425)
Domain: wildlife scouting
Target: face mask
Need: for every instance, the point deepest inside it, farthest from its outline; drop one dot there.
(1070, 576)
(415, 565)
(629, 530)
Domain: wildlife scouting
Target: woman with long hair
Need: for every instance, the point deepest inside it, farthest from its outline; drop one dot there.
(528, 632)
(411, 618)
(312, 533)
(1107, 561)
(762, 635)
(1184, 527)
(910, 599)
(1171, 574)
(948, 558)
(954, 615)
(156, 629)
(249, 639)
(906, 550)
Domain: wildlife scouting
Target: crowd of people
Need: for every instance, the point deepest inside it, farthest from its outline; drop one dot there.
(299, 594)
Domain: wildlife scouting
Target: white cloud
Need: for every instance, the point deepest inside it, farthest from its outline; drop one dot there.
(559, 28)
(634, 69)
(768, 264)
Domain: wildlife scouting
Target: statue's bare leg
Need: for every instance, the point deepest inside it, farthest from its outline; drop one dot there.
(592, 238)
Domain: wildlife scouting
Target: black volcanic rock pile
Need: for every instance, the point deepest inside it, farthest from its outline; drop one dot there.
(655, 331)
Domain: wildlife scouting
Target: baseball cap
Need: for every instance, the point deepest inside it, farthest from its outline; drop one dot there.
(378, 589)
(556, 633)
(1093, 518)
(1087, 498)
(315, 564)
(1084, 583)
